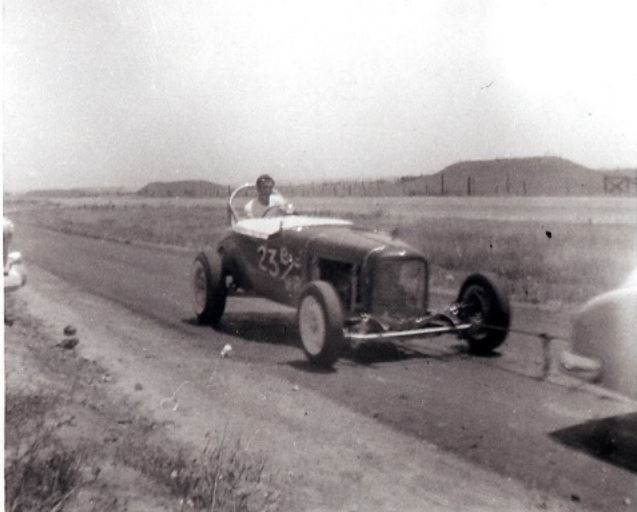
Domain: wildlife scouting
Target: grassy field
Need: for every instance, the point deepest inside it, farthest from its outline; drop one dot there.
(543, 249)
(578, 210)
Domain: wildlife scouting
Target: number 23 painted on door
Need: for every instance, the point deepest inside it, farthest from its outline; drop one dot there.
(278, 262)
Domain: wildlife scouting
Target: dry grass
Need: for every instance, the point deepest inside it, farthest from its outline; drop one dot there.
(556, 259)
(163, 223)
(41, 471)
(568, 263)
(547, 210)
(218, 478)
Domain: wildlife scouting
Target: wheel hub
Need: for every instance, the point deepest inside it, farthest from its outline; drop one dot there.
(312, 325)
(199, 288)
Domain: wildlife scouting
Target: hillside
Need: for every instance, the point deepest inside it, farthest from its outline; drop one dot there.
(538, 176)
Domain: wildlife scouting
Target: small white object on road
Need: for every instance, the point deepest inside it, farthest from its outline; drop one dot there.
(226, 350)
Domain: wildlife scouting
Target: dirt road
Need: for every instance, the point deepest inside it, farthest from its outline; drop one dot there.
(431, 429)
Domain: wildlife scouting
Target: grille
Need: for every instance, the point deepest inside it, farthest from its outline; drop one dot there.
(399, 288)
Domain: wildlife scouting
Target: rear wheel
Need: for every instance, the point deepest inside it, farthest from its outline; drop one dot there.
(482, 304)
(209, 288)
(320, 320)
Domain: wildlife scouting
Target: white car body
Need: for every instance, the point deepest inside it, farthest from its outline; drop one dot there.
(604, 340)
(14, 272)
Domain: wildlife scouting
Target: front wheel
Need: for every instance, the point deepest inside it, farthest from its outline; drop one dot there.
(321, 320)
(482, 304)
(209, 288)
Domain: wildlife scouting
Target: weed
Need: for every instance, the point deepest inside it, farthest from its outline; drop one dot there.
(41, 472)
(219, 478)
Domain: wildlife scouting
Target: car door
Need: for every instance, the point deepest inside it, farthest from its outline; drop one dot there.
(278, 268)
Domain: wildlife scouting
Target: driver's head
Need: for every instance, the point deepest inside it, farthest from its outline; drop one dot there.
(265, 185)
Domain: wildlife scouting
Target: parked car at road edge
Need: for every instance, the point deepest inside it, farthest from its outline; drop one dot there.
(604, 340)
(14, 272)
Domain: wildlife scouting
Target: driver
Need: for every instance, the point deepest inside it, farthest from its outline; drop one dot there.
(265, 199)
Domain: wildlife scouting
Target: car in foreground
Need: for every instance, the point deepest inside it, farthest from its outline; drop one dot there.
(14, 272)
(348, 285)
(603, 348)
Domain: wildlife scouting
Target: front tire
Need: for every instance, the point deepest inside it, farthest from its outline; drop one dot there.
(483, 304)
(209, 288)
(320, 320)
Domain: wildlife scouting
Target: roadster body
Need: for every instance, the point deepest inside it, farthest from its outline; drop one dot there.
(348, 284)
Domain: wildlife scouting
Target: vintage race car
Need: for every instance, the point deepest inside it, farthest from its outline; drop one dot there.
(348, 285)
(603, 347)
(14, 273)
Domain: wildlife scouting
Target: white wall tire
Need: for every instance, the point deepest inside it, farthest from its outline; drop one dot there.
(312, 325)
(320, 320)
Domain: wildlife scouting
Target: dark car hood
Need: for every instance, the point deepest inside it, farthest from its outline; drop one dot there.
(350, 243)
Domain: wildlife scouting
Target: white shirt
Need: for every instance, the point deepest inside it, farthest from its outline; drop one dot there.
(254, 208)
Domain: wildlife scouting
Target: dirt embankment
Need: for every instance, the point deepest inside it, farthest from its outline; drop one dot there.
(74, 444)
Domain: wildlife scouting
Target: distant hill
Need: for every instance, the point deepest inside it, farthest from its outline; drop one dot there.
(188, 188)
(536, 176)
(77, 192)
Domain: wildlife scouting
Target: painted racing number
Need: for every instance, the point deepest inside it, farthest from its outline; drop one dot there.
(278, 262)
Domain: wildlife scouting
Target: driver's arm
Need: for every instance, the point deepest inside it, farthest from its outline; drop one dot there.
(284, 205)
(277, 200)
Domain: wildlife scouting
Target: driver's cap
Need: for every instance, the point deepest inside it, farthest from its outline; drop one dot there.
(264, 178)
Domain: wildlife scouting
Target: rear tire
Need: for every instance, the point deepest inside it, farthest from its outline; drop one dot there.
(483, 304)
(320, 320)
(209, 288)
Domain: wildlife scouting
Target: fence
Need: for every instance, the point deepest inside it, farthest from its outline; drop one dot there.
(459, 185)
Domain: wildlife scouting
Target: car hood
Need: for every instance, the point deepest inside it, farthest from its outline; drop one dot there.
(326, 237)
(352, 244)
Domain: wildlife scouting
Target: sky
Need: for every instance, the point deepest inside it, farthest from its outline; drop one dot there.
(124, 92)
